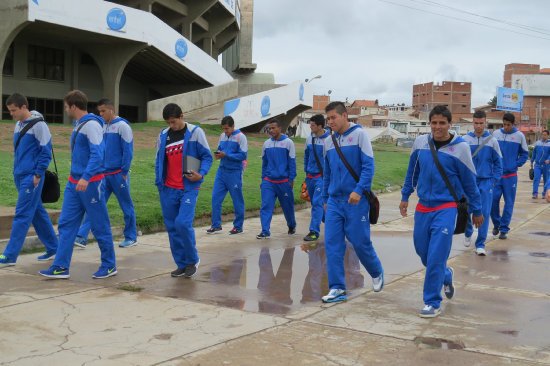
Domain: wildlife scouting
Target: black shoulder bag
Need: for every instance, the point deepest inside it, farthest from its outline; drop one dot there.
(463, 216)
(374, 204)
(316, 157)
(50, 189)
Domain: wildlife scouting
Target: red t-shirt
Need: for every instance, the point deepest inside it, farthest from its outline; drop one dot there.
(173, 157)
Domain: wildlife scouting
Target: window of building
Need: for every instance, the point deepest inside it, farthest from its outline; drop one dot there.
(463, 95)
(51, 109)
(445, 93)
(128, 112)
(7, 69)
(46, 63)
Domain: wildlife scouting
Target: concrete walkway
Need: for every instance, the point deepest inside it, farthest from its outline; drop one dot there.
(251, 302)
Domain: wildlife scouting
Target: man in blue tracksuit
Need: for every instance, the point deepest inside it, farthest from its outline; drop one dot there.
(539, 161)
(514, 154)
(119, 150)
(83, 192)
(313, 166)
(347, 209)
(232, 151)
(31, 159)
(488, 164)
(436, 212)
(278, 173)
(183, 159)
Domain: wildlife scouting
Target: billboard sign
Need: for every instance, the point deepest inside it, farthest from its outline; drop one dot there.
(510, 99)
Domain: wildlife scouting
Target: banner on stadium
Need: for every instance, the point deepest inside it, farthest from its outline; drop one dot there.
(510, 99)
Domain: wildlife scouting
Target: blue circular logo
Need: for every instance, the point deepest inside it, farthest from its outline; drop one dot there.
(301, 92)
(116, 19)
(181, 48)
(264, 109)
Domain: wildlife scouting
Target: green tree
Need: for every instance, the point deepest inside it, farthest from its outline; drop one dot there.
(493, 101)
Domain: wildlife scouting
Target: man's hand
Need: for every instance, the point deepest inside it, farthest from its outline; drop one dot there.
(219, 154)
(124, 177)
(403, 208)
(354, 198)
(531, 165)
(547, 162)
(82, 185)
(194, 176)
(477, 221)
(291, 184)
(325, 205)
(36, 180)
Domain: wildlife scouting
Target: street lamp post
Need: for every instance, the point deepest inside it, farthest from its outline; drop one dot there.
(313, 78)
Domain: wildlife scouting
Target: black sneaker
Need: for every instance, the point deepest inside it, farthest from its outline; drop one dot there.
(262, 236)
(291, 230)
(214, 230)
(191, 270)
(178, 272)
(235, 231)
(495, 231)
(312, 236)
(503, 236)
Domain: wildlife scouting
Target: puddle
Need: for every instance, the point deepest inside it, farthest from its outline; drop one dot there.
(438, 343)
(542, 233)
(499, 256)
(513, 333)
(539, 254)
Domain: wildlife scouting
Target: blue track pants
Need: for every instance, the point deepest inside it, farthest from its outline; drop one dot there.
(271, 192)
(344, 220)
(29, 209)
(486, 190)
(433, 238)
(314, 190)
(115, 183)
(228, 181)
(505, 187)
(541, 171)
(178, 210)
(75, 205)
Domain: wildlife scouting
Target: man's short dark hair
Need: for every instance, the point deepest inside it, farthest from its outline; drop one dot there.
(548, 133)
(441, 110)
(78, 99)
(106, 102)
(228, 120)
(480, 114)
(276, 121)
(18, 100)
(339, 107)
(509, 117)
(318, 119)
(171, 110)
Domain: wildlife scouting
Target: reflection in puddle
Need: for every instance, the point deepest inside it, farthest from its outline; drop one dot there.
(542, 233)
(513, 333)
(499, 255)
(278, 280)
(438, 343)
(539, 254)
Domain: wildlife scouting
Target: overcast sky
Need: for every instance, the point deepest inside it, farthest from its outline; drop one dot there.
(377, 49)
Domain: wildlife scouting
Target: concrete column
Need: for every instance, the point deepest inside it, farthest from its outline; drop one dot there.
(195, 10)
(14, 14)
(112, 62)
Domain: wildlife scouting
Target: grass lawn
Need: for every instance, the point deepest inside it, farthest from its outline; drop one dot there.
(391, 166)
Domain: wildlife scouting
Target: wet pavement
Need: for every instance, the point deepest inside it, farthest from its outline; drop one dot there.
(258, 301)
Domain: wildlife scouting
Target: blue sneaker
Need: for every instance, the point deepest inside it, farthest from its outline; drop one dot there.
(378, 282)
(80, 242)
(449, 289)
(104, 272)
(5, 261)
(46, 256)
(429, 312)
(127, 243)
(55, 272)
(335, 295)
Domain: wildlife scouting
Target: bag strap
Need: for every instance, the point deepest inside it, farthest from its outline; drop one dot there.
(77, 131)
(441, 171)
(481, 145)
(54, 163)
(25, 129)
(316, 157)
(343, 158)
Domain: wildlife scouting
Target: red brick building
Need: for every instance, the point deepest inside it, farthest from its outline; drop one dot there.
(456, 95)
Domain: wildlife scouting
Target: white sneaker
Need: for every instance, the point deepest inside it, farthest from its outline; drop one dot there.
(467, 241)
(481, 251)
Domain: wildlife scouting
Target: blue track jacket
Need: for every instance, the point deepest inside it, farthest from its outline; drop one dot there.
(310, 164)
(356, 147)
(422, 174)
(195, 145)
(488, 160)
(541, 152)
(235, 148)
(513, 148)
(119, 145)
(279, 159)
(34, 153)
(89, 148)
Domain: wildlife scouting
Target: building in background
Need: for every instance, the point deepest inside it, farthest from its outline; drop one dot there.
(455, 95)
